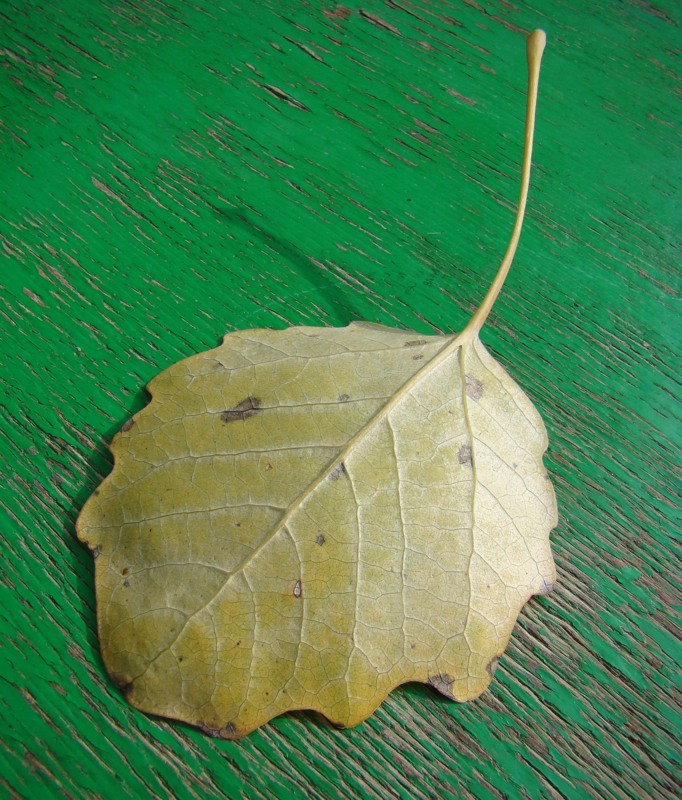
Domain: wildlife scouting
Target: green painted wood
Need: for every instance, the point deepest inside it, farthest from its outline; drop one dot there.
(172, 171)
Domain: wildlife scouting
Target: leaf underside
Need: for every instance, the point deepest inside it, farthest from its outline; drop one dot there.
(307, 518)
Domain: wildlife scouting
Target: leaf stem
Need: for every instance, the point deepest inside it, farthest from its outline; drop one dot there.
(535, 44)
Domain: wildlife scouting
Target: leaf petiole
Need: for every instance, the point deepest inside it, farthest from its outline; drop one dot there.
(535, 45)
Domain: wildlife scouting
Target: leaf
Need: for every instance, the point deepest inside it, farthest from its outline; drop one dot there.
(307, 518)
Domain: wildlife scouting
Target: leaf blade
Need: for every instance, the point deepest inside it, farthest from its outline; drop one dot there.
(326, 593)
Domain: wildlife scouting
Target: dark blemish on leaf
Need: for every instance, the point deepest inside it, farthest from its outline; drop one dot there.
(298, 591)
(491, 666)
(96, 492)
(125, 570)
(229, 731)
(337, 472)
(96, 551)
(126, 583)
(180, 658)
(123, 684)
(414, 343)
(474, 388)
(128, 425)
(418, 356)
(243, 410)
(343, 398)
(443, 682)
(320, 539)
(268, 467)
(238, 643)
(464, 455)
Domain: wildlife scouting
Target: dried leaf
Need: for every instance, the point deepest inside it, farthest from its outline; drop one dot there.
(308, 518)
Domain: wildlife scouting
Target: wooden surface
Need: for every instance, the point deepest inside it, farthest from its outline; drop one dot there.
(172, 171)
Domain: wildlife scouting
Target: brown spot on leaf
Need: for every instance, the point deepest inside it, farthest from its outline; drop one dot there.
(491, 666)
(337, 472)
(228, 731)
(418, 356)
(123, 684)
(125, 570)
(243, 410)
(464, 455)
(127, 425)
(474, 388)
(344, 398)
(414, 343)
(443, 682)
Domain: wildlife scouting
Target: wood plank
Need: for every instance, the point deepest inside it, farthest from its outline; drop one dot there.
(173, 171)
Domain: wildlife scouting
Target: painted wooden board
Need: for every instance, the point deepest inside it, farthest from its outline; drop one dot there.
(173, 171)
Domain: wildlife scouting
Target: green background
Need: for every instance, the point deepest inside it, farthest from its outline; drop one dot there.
(175, 170)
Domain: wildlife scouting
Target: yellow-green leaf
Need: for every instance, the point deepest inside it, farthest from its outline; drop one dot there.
(307, 518)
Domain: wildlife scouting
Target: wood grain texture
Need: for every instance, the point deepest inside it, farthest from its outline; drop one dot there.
(173, 171)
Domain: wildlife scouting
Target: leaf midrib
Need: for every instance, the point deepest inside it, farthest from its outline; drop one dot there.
(451, 344)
